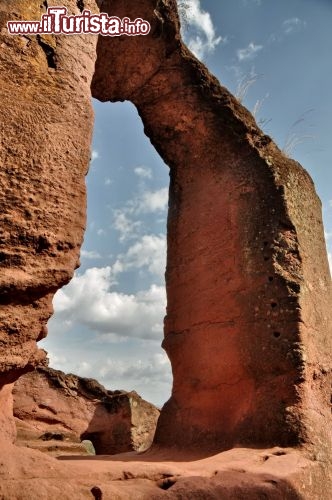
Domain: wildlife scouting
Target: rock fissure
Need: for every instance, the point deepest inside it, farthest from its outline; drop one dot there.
(80, 5)
(49, 52)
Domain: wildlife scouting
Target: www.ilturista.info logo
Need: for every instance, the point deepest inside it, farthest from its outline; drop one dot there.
(57, 21)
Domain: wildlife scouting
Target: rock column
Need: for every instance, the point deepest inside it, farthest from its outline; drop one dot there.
(45, 135)
(248, 324)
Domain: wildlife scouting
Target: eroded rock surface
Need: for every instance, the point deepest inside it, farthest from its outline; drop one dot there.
(46, 127)
(273, 474)
(248, 325)
(50, 405)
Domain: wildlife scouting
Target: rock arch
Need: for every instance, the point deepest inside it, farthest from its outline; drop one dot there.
(248, 325)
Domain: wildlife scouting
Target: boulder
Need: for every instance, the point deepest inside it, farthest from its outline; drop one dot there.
(66, 409)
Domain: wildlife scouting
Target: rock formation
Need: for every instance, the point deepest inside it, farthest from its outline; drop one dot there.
(248, 325)
(47, 120)
(49, 403)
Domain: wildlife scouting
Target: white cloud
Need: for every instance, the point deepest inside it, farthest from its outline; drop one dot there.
(149, 252)
(155, 368)
(92, 282)
(330, 260)
(108, 181)
(149, 373)
(249, 52)
(152, 201)
(55, 360)
(293, 25)
(202, 38)
(143, 172)
(124, 224)
(90, 254)
(84, 368)
(90, 300)
(149, 202)
(94, 155)
(288, 27)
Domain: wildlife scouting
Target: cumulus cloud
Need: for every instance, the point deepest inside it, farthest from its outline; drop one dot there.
(59, 361)
(90, 300)
(90, 254)
(126, 219)
(148, 252)
(143, 172)
(125, 225)
(293, 25)
(330, 260)
(201, 36)
(249, 52)
(155, 368)
(152, 201)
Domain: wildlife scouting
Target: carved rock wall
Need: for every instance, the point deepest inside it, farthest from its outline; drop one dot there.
(248, 325)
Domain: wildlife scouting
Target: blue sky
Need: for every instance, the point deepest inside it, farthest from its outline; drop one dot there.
(276, 57)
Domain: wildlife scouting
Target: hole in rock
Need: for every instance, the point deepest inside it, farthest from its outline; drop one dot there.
(272, 481)
(277, 335)
(274, 305)
(108, 321)
(167, 483)
(51, 436)
(93, 442)
(97, 493)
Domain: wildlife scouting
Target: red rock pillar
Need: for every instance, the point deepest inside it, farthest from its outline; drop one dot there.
(248, 325)
(46, 126)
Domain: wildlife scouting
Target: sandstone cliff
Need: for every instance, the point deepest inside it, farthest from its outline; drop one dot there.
(46, 128)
